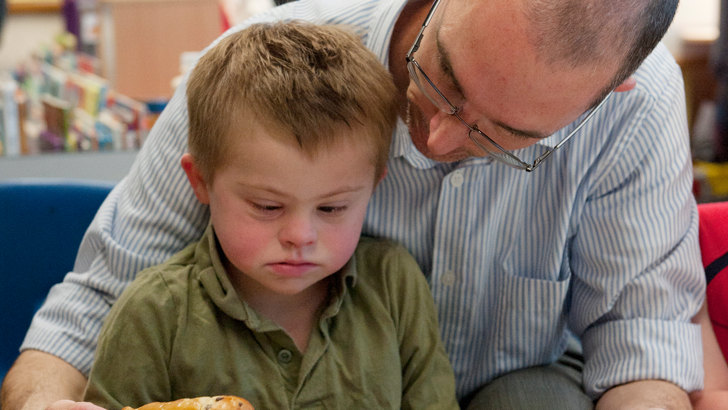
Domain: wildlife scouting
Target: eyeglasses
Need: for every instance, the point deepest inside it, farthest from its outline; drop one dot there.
(484, 142)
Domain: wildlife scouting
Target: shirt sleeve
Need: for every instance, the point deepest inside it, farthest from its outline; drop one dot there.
(635, 256)
(131, 366)
(428, 381)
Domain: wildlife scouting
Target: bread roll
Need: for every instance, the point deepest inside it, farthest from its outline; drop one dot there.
(200, 403)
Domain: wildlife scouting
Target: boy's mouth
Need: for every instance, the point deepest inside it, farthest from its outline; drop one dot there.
(292, 268)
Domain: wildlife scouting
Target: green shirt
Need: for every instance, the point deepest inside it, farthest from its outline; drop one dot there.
(180, 330)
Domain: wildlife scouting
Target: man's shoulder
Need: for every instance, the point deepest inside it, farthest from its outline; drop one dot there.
(346, 12)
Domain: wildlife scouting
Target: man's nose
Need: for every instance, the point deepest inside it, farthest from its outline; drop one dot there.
(447, 134)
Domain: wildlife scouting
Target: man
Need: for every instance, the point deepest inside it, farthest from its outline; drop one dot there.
(600, 240)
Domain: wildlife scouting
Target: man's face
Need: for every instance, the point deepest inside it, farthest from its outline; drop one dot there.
(479, 56)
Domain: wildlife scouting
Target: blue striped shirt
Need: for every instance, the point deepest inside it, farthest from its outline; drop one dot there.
(600, 241)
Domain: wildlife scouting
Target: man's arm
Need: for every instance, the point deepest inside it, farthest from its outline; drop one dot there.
(635, 256)
(714, 395)
(39, 379)
(645, 395)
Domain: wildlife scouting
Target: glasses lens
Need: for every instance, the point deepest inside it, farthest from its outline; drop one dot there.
(427, 88)
(489, 147)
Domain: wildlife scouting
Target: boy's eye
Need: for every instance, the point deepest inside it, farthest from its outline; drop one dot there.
(265, 207)
(332, 209)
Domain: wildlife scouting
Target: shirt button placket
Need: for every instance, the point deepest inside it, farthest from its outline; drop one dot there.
(448, 278)
(285, 356)
(457, 179)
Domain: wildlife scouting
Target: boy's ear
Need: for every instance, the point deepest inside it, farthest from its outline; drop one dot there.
(195, 178)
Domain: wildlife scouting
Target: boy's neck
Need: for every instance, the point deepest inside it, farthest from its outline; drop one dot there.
(297, 314)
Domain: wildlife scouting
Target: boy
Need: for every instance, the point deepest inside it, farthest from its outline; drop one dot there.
(290, 126)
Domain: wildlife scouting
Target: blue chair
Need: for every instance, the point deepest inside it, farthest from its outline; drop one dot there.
(42, 222)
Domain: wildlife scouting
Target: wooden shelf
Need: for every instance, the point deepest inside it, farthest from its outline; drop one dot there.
(34, 6)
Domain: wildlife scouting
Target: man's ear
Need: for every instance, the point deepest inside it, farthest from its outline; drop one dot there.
(381, 177)
(628, 85)
(195, 178)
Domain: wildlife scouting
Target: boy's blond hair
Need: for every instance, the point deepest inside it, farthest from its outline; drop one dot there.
(307, 82)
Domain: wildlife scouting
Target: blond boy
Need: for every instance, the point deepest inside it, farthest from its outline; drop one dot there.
(281, 302)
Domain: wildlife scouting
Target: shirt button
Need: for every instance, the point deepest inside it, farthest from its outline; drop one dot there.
(457, 179)
(448, 279)
(285, 356)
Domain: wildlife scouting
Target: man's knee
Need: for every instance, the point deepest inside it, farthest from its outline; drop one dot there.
(553, 387)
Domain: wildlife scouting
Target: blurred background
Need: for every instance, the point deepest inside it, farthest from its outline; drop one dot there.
(82, 81)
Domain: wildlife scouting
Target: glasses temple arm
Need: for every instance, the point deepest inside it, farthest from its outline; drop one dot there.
(545, 155)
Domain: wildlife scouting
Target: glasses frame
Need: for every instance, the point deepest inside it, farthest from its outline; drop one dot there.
(504, 155)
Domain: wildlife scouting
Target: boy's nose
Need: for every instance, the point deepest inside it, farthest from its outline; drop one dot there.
(298, 231)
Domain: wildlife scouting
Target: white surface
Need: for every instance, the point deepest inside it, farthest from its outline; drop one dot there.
(24, 33)
(699, 17)
(108, 166)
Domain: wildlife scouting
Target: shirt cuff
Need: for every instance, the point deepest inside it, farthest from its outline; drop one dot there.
(640, 349)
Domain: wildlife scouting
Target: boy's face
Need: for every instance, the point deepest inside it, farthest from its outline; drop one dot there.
(284, 220)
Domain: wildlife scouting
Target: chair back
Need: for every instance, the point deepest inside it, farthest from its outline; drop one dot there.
(714, 250)
(42, 222)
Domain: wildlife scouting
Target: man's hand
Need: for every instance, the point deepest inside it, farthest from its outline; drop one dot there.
(38, 380)
(645, 395)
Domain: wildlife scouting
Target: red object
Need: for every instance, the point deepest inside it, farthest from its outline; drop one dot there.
(224, 20)
(714, 249)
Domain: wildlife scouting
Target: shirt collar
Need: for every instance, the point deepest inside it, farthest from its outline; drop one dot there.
(215, 281)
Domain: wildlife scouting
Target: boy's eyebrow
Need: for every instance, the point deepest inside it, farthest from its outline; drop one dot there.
(446, 67)
(341, 190)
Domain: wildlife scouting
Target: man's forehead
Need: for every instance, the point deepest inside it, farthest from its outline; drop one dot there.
(444, 60)
(493, 65)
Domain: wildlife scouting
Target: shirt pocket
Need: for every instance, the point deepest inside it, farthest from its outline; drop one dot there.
(529, 318)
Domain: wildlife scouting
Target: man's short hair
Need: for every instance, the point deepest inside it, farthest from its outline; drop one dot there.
(593, 32)
(306, 82)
